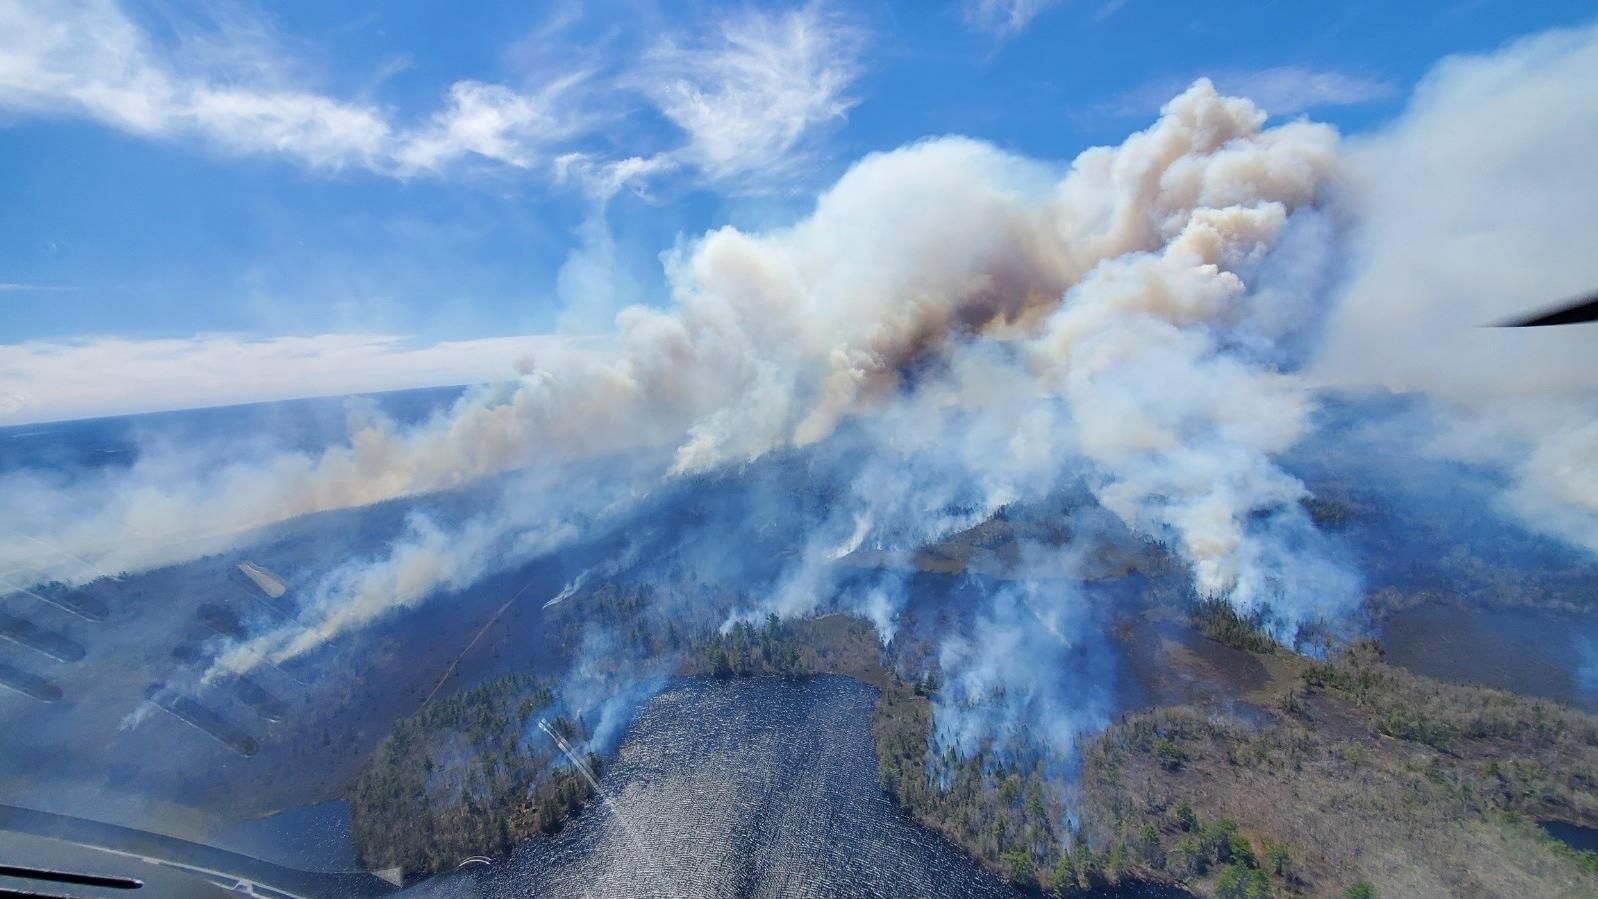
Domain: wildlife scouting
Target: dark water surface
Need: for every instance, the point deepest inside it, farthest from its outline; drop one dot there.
(746, 787)
(1528, 651)
(310, 837)
(1573, 835)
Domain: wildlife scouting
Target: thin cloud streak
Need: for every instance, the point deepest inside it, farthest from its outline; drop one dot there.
(57, 380)
(748, 98)
(1281, 90)
(93, 61)
(1004, 18)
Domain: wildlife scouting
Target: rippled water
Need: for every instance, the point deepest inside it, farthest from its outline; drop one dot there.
(749, 787)
(1526, 651)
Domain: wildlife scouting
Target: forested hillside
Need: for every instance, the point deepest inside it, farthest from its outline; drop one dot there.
(470, 774)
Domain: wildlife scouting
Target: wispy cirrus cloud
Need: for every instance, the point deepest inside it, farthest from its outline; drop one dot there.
(1004, 18)
(748, 98)
(1281, 90)
(14, 287)
(91, 60)
(495, 123)
(744, 100)
(1291, 89)
(1108, 8)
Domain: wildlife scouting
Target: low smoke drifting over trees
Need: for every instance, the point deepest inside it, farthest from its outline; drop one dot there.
(469, 775)
(1298, 780)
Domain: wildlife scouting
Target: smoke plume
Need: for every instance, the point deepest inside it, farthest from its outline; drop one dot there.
(1118, 292)
(953, 330)
(1474, 207)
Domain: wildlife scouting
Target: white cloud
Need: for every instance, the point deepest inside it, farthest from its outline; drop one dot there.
(748, 98)
(1107, 9)
(14, 287)
(1283, 90)
(603, 178)
(53, 380)
(1004, 18)
(497, 123)
(91, 60)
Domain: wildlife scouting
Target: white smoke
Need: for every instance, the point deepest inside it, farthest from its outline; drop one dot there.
(1477, 206)
(1031, 672)
(536, 515)
(1115, 299)
(952, 330)
(1120, 284)
(1136, 320)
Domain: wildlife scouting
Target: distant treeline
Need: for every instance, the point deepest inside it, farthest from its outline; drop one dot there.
(830, 644)
(1456, 551)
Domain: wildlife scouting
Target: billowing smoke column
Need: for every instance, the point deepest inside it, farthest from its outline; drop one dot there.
(956, 329)
(1115, 302)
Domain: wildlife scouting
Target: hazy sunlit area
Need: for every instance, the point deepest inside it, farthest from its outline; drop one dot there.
(664, 448)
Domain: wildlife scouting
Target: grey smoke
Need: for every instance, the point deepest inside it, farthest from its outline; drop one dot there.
(954, 329)
(1116, 292)
(1477, 205)
(1032, 672)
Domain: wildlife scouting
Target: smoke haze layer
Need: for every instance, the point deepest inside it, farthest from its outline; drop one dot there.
(1089, 296)
(954, 330)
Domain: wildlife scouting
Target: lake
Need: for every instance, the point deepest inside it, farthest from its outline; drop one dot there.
(1522, 650)
(1573, 835)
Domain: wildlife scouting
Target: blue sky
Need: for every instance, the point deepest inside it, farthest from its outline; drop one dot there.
(215, 176)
